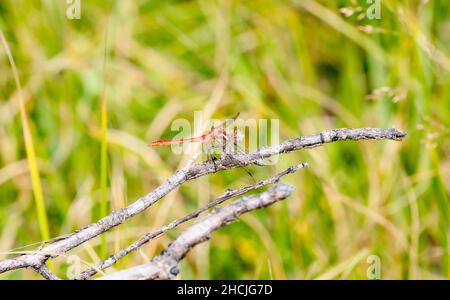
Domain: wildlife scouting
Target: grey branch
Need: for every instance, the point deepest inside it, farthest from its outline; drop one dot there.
(46, 273)
(165, 265)
(61, 245)
(151, 235)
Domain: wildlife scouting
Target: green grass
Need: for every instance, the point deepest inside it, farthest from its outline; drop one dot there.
(104, 152)
(303, 62)
(29, 149)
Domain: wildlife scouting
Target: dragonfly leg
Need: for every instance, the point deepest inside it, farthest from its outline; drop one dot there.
(212, 158)
(238, 150)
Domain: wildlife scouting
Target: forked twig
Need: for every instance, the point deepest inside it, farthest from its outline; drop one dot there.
(151, 235)
(61, 245)
(165, 265)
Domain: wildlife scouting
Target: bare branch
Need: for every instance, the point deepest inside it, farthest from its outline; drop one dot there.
(46, 273)
(165, 265)
(151, 235)
(115, 218)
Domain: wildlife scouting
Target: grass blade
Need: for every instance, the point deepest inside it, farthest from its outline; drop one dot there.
(104, 151)
(29, 148)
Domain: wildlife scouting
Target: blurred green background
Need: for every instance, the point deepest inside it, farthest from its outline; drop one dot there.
(314, 65)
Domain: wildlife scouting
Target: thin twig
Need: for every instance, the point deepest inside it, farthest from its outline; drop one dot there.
(46, 273)
(152, 235)
(116, 218)
(165, 265)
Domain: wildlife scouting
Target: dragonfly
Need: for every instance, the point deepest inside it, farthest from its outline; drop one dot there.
(217, 137)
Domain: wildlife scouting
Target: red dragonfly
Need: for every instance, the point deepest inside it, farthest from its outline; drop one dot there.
(217, 137)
